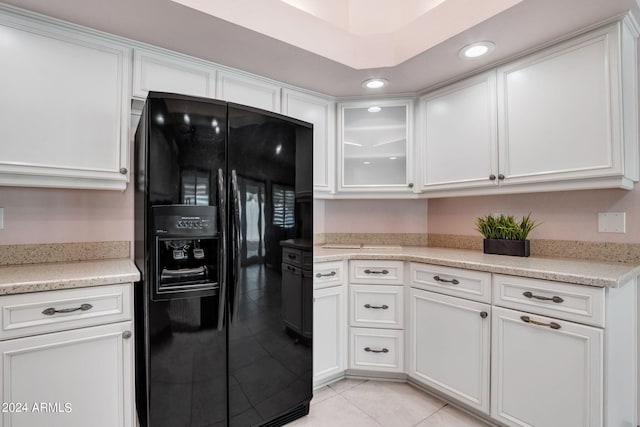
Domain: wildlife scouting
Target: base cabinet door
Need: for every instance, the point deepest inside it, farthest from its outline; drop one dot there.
(545, 372)
(76, 378)
(449, 343)
(329, 333)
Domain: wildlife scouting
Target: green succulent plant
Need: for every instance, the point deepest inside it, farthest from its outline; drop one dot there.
(505, 227)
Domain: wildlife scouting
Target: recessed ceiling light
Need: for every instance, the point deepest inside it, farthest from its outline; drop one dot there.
(374, 109)
(366, 163)
(475, 50)
(376, 83)
(392, 158)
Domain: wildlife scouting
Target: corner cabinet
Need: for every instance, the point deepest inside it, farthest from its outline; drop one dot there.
(64, 109)
(67, 358)
(375, 148)
(565, 118)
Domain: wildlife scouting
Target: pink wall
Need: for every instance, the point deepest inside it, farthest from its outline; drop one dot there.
(375, 216)
(36, 215)
(571, 215)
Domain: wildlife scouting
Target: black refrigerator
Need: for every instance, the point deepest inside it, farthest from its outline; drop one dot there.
(218, 187)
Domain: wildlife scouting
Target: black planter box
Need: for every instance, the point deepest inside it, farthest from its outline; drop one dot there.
(507, 247)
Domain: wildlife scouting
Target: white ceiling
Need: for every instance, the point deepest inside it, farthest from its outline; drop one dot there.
(431, 60)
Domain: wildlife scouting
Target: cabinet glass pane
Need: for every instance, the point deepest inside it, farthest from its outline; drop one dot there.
(375, 146)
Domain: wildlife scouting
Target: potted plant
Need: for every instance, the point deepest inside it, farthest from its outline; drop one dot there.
(504, 235)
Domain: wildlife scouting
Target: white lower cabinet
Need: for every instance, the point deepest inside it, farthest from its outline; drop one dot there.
(329, 323)
(67, 358)
(449, 345)
(74, 378)
(546, 372)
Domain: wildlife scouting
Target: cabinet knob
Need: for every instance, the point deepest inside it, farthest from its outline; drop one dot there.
(483, 314)
(500, 176)
(126, 335)
(492, 177)
(123, 171)
(411, 185)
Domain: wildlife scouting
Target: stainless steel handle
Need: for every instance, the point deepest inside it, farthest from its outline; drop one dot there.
(370, 350)
(222, 296)
(452, 281)
(552, 325)
(51, 310)
(383, 307)
(126, 335)
(367, 271)
(319, 275)
(236, 244)
(555, 299)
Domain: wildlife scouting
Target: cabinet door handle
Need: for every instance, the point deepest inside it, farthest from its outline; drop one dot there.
(123, 171)
(51, 310)
(500, 176)
(126, 335)
(292, 256)
(383, 307)
(452, 281)
(552, 325)
(319, 275)
(367, 271)
(370, 350)
(554, 298)
(484, 314)
(492, 177)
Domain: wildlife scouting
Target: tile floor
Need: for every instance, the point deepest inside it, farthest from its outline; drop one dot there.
(361, 403)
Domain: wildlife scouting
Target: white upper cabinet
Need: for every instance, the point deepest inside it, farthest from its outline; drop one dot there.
(460, 134)
(375, 146)
(570, 112)
(565, 118)
(64, 108)
(321, 113)
(247, 90)
(166, 72)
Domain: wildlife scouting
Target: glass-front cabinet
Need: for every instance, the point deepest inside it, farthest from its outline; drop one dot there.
(375, 146)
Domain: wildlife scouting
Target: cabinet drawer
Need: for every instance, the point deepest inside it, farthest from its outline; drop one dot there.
(373, 272)
(292, 256)
(470, 284)
(578, 303)
(376, 306)
(42, 312)
(376, 349)
(327, 274)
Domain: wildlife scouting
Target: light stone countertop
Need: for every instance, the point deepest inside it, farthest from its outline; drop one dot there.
(591, 273)
(25, 278)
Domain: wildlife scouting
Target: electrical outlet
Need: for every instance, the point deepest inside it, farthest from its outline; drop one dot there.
(612, 222)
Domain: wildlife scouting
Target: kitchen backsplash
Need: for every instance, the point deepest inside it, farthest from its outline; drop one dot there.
(596, 251)
(62, 252)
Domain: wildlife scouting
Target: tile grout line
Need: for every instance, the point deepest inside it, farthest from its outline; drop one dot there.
(431, 415)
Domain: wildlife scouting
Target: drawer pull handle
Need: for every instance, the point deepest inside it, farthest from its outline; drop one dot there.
(51, 311)
(319, 275)
(292, 256)
(452, 281)
(367, 271)
(554, 299)
(384, 306)
(370, 350)
(552, 325)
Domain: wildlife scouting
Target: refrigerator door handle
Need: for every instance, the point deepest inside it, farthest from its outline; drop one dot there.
(236, 244)
(223, 238)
